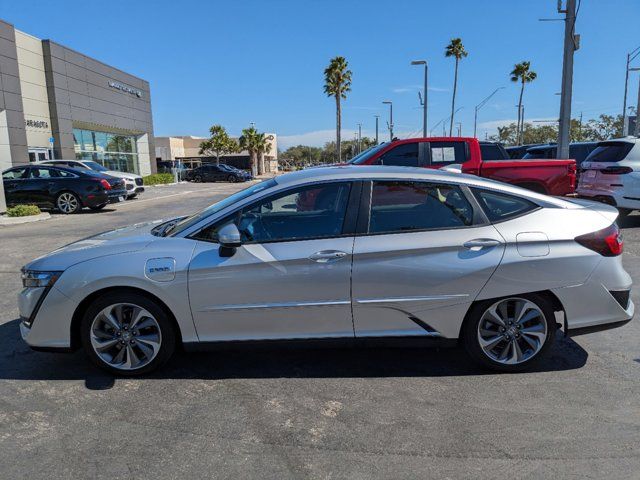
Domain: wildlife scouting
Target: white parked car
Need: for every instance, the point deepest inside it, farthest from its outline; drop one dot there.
(611, 174)
(132, 182)
(338, 254)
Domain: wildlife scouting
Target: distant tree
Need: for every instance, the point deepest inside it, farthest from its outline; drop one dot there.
(522, 73)
(455, 49)
(337, 83)
(605, 127)
(300, 156)
(250, 141)
(220, 143)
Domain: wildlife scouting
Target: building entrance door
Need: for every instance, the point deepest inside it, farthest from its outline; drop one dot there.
(39, 154)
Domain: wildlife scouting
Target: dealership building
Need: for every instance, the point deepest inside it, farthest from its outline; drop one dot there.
(58, 103)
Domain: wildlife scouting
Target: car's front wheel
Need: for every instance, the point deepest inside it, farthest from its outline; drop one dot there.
(511, 333)
(127, 333)
(232, 178)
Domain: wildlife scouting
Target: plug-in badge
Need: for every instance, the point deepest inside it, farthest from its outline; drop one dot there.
(160, 269)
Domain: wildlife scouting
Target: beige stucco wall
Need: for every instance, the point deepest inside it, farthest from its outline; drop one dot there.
(168, 148)
(34, 89)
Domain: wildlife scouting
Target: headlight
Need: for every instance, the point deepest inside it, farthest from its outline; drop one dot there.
(31, 278)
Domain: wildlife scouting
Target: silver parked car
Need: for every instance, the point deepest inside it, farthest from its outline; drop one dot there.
(338, 253)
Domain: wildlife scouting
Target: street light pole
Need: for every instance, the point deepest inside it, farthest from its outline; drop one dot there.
(638, 110)
(570, 46)
(630, 57)
(479, 106)
(424, 94)
(359, 137)
(377, 117)
(390, 123)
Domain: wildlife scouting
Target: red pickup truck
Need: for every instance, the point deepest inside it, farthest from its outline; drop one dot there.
(468, 155)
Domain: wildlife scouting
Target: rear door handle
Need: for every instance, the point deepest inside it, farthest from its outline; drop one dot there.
(480, 243)
(326, 256)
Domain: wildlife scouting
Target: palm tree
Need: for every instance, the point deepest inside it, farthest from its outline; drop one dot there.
(522, 73)
(264, 147)
(455, 49)
(337, 82)
(250, 141)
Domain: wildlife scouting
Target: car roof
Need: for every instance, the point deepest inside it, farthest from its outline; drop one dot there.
(379, 172)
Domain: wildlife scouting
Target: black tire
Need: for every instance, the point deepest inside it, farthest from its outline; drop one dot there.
(197, 179)
(232, 178)
(167, 329)
(98, 207)
(470, 341)
(72, 198)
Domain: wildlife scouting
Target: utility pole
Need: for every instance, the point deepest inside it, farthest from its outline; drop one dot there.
(423, 99)
(459, 125)
(377, 118)
(571, 41)
(359, 137)
(390, 122)
(638, 110)
(630, 57)
(479, 106)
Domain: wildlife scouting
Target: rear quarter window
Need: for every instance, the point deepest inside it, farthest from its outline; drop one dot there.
(610, 152)
(501, 206)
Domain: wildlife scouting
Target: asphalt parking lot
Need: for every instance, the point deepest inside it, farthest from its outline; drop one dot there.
(380, 413)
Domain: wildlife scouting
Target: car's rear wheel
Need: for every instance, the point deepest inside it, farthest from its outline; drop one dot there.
(232, 178)
(127, 333)
(624, 212)
(197, 179)
(68, 203)
(511, 333)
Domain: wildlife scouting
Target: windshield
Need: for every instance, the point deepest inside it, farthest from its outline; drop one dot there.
(366, 155)
(217, 207)
(95, 166)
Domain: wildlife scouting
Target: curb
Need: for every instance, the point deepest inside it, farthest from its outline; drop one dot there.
(5, 221)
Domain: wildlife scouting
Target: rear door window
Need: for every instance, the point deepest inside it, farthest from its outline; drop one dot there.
(610, 152)
(404, 155)
(14, 174)
(446, 153)
(405, 206)
(502, 206)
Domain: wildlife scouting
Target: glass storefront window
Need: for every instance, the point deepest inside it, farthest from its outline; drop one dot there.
(113, 151)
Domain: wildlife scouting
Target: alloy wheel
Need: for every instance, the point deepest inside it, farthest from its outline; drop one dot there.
(67, 203)
(125, 336)
(512, 331)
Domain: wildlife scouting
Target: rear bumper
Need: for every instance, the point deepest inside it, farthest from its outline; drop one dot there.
(600, 303)
(116, 196)
(94, 200)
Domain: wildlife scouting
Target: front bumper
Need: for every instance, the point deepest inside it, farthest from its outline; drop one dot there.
(46, 315)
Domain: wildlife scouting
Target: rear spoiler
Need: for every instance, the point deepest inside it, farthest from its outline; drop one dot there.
(608, 211)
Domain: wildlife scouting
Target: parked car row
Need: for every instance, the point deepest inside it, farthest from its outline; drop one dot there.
(65, 189)
(68, 186)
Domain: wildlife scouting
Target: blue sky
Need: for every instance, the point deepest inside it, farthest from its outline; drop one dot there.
(236, 62)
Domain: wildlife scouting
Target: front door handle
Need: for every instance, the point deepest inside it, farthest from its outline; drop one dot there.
(480, 243)
(326, 256)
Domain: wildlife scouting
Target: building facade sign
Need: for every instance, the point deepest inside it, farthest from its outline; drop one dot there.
(36, 123)
(124, 88)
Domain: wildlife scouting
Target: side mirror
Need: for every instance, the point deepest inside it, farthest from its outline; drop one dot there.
(229, 239)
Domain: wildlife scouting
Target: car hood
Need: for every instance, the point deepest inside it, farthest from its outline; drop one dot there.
(121, 240)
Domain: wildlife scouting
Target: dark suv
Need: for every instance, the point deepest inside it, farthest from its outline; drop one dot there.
(218, 173)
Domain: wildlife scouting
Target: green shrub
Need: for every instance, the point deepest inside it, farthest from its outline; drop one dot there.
(158, 179)
(23, 211)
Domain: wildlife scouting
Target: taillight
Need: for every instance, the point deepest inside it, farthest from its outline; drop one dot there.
(616, 170)
(105, 184)
(607, 242)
